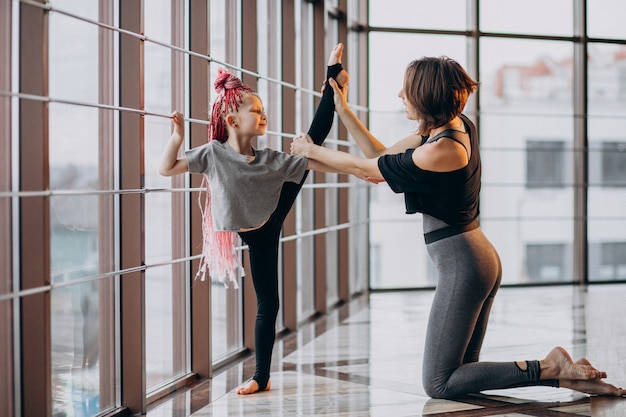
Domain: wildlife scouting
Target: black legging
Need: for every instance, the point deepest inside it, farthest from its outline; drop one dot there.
(263, 245)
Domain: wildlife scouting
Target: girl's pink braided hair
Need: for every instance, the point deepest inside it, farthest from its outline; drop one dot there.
(219, 256)
(230, 90)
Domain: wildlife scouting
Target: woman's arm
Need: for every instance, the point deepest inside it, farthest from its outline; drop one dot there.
(170, 163)
(329, 160)
(369, 145)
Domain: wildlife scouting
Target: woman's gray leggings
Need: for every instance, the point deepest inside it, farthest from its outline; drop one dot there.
(469, 272)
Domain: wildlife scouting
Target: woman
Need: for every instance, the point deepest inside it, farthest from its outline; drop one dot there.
(438, 169)
(250, 192)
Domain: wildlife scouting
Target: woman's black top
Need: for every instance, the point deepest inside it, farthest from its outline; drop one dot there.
(452, 197)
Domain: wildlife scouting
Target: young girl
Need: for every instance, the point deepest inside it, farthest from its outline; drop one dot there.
(250, 191)
(438, 170)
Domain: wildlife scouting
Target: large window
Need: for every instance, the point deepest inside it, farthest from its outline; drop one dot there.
(540, 157)
(98, 251)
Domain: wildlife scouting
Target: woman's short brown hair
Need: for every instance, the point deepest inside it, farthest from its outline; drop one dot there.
(437, 88)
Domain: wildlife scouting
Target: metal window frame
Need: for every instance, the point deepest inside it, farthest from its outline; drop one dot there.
(34, 214)
(107, 254)
(131, 213)
(288, 120)
(6, 233)
(201, 336)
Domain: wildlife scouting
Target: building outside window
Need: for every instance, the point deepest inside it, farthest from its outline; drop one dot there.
(545, 163)
(614, 164)
(547, 262)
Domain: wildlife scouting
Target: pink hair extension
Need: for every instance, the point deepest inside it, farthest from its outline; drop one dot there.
(219, 256)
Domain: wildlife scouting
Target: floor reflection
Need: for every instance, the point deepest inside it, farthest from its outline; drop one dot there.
(366, 360)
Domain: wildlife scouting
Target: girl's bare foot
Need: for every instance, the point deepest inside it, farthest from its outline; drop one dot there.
(335, 58)
(335, 55)
(251, 387)
(559, 365)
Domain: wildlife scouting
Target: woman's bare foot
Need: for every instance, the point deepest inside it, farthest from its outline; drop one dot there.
(585, 362)
(335, 58)
(251, 387)
(593, 386)
(560, 365)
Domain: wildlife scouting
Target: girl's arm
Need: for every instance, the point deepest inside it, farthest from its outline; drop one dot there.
(170, 163)
(369, 145)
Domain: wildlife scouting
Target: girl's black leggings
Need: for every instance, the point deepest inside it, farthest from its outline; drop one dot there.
(263, 245)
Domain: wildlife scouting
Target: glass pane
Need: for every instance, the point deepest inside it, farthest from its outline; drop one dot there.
(519, 210)
(525, 124)
(73, 70)
(73, 147)
(81, 330)
(219, 324)
(73, 166)
(306, 262)
(607, 162)
(226, 326)
(165, 327)
(535, 249)
(217, 35)
(73, 237)
(607, 84)
(607, 258)
(398, 256)
(418, 14)
(159, 215)
(545, 163)
(534, 17)
(526, 76)
(387, 70)
(87, 9)
(606, 200)
(605, 19)
(332, 249)
(158, 21)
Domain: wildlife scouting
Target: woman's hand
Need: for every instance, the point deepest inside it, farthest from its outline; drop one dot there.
(341, 94)
(300, 145)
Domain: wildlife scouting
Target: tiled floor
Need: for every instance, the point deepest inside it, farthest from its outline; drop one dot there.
(364, 359)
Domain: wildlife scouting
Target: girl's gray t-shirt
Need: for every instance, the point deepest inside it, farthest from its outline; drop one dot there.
(244, 190)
